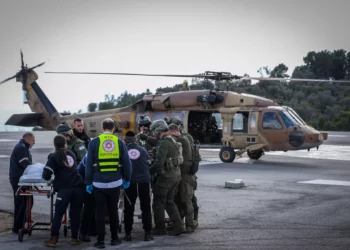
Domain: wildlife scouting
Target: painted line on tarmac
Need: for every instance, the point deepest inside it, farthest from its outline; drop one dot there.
(6, 140)
(338, 136)
(326, 182)
(4, 156)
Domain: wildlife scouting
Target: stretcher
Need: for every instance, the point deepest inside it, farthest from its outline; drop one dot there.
(30, 189)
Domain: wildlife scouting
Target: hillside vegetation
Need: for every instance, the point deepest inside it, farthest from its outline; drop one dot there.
(324, 106)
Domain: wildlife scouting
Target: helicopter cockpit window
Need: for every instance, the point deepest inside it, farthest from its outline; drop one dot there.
(288, 120)
(271, 121)
(240, 123)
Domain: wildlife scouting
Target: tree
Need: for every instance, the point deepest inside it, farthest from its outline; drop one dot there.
(92, 107)
(279, 71)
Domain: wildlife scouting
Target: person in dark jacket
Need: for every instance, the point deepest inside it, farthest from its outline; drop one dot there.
(103, 175)
(20, 159)
(69, 186)
(140, 186)
(87, 224)
(79, 131)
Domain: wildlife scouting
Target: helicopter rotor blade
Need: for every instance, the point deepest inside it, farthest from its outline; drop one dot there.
(133, 74)
(8, 79)
(293, 79)
(39, 65)
(22, 62)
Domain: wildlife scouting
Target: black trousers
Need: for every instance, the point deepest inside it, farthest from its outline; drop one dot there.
(143, 191)
(88, 224)
(73, 197)
(109, 197)
(20, 203)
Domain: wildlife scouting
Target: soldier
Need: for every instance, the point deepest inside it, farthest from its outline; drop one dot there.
(75, 145)
(168, 177)
(184, 195)
(78, 130)
(145, 138)
(176, 120)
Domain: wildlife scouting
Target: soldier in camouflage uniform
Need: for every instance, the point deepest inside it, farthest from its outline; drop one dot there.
(145, 138)
(168, 173)
(74, 144)
(176, 120)
(183, 198)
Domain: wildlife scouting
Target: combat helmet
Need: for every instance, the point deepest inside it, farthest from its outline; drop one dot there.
(159, 126)
(64, 129)
(176, 120)
(144, 120)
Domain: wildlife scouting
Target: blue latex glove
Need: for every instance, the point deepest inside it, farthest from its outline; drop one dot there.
(126, 184)
(89, 189)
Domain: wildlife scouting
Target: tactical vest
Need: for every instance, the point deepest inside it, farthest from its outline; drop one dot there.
(108, 153)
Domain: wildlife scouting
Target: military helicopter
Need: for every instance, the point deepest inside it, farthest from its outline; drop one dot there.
(236, 123)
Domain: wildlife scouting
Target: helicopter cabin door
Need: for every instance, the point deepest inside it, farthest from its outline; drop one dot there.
(273, 129)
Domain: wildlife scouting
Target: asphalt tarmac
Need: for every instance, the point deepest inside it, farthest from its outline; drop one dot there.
(292, 200)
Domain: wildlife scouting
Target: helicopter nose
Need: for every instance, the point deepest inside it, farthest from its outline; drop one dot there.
(314, 138)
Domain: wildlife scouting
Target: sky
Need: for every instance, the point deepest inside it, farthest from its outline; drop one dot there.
(156, 37)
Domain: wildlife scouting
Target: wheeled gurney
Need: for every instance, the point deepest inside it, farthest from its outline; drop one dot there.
(27, 188)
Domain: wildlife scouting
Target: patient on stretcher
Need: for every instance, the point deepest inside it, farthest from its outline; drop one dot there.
(33, 174)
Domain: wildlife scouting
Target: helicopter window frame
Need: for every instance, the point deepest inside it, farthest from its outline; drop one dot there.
(296, 116)
(264, 123)
(288, 119)
(242, 127)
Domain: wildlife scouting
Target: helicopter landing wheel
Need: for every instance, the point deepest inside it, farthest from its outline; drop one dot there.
(227, 154)
(255, 155)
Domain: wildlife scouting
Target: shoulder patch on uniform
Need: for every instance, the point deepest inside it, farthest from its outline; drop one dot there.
(70, 161)
(134, 154)
(82, 147)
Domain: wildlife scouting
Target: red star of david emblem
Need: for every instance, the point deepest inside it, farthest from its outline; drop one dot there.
(109, 145)
(133, 153)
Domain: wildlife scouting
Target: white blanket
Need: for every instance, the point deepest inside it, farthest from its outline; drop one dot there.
(33, 174)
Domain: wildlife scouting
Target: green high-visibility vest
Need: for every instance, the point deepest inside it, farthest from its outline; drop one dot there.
(108, 153)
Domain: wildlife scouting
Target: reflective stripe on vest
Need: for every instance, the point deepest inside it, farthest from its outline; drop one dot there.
(108, 153)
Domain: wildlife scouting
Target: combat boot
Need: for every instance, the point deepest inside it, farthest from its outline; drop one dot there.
(178, 229)
(170, 226)
(75, 241)
(52, 242)
(127, 237)
(190, 229)
(195, 223)
(84, 238)
(148, 236)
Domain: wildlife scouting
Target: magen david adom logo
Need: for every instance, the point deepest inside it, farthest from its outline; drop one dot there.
(134, 154)
(70, 161)
(108, 146)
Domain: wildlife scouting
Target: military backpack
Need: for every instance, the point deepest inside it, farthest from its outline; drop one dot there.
(196, 158)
